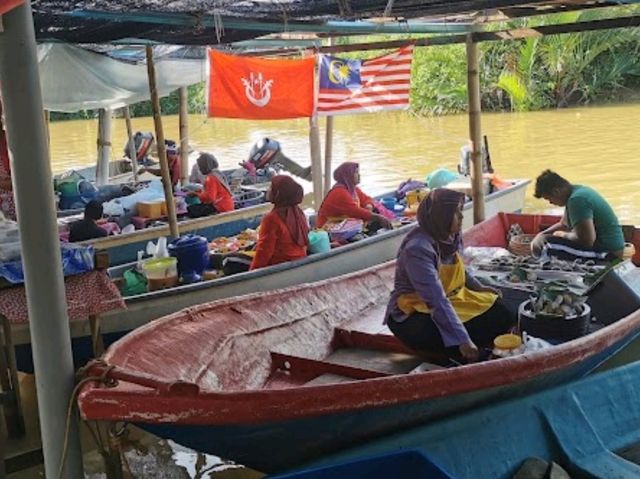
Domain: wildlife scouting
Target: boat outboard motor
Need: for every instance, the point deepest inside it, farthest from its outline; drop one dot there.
(143, 143)
(464, 167)
(267, 152)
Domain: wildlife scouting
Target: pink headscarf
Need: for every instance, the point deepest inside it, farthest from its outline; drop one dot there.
(345, 175)
(435, 215)
(286, 195)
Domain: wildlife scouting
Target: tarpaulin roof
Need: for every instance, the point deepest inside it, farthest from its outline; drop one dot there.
(225, 21)
(74, 79)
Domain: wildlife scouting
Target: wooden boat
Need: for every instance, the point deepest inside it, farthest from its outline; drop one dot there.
(146, 307)
(123, 248)
(312, 369)
(590, 427)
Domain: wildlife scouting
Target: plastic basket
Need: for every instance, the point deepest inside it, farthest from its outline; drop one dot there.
(248, 198)
(521, 244)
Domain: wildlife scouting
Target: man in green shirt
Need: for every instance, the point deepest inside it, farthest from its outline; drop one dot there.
(589, 228)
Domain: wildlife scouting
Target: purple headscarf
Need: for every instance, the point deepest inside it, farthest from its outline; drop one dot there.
(345, 174)
(435, 215)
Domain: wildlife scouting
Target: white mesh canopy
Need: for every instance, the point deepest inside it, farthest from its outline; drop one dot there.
(74, 79)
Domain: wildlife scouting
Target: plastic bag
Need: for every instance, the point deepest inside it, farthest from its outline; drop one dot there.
(134, 283)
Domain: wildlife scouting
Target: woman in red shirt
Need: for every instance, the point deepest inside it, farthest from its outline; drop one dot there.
(284, 232)
(7, 203)
(216, 191)
(346, 200)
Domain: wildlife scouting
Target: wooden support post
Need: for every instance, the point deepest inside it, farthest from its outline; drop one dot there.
(162, 151)
(104, 146)
(184, 135)
(97, 344)
(475, 130)
(47, 119)
(133, 154)
(328, 154)
(12, 403)
(316, 162)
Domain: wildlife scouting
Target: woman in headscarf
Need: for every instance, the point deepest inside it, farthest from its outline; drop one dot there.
(346, 200)
(7, 203)
(216, 191)
(436, 306)
(284, 232)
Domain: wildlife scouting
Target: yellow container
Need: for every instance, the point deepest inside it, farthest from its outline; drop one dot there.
(150, 209)
(414, 197)
(161, 273)
(507, 341)
(163, 207)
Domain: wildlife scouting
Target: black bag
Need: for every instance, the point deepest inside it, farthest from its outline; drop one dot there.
(234, 263)
(201, 209)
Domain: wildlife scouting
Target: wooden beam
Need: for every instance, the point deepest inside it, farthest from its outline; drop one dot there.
(162, 151)
(475, 130)
(184, 135)
(133, 154)
(509, 34)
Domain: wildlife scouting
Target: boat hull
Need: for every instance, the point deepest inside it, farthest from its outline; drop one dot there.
(310, 438)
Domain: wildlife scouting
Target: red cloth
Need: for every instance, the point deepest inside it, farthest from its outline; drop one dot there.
(87, 294)
(216, 194)
(7, 203)
(174, 170)
(275, 243)
(286, 195)
(339, 203)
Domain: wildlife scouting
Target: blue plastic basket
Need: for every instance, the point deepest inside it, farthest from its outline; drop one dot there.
(409, 463)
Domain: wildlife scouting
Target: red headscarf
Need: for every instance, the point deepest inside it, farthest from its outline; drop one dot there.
(286, 195)
(345, 174)
(435, 215)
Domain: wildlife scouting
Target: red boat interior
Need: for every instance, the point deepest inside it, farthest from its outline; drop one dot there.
(329, 332)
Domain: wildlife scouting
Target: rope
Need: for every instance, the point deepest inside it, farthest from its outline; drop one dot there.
(102, 378)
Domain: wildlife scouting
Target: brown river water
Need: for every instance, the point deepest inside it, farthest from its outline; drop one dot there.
(595, 146)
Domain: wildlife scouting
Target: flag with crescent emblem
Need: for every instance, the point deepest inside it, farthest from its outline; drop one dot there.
(365, 86)
(260, 88)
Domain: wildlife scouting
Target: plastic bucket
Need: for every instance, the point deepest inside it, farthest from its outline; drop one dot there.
(160, 273)
(319, 242)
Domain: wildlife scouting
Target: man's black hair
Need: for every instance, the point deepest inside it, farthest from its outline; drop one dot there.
(548, 181)
(93, 210)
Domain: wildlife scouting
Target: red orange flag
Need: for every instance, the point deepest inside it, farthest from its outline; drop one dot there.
(6, 5)
(260, 88)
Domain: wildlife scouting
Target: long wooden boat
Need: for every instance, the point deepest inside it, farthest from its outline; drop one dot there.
(590, 427)
(123, 248)
(146, 307)
(312, 369)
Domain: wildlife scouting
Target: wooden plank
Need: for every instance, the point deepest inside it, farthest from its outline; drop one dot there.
(386, 362)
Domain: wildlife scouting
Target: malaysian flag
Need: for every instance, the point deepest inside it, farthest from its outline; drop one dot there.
(365, 86)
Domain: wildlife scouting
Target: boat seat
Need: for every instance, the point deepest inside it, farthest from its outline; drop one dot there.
(328, 379)
(387, 362)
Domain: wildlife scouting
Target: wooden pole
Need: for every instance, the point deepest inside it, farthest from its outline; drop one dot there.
(133, 154)
(316, 162)
(328, 154)
(328, 148)
(104, 146)
(475, 130)
(162, 151)
(184, 135)
(47, 119)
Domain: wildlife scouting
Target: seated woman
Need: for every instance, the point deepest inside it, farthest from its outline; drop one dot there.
(346, 200)
(436, 306)
(216, 191)
(284, 232)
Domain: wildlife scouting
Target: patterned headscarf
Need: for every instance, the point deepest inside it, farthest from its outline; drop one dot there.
(345, 174)
(286, 195)
(435, 215)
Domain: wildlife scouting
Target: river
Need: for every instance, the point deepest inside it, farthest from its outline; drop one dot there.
(595, 146)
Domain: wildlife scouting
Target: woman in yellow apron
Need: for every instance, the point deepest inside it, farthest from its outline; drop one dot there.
(436, 306)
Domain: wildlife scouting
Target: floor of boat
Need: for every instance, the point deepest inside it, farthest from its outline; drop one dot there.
(363, 348)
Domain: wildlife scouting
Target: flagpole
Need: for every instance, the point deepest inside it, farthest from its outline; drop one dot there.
(314, 142)
(328, 147)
